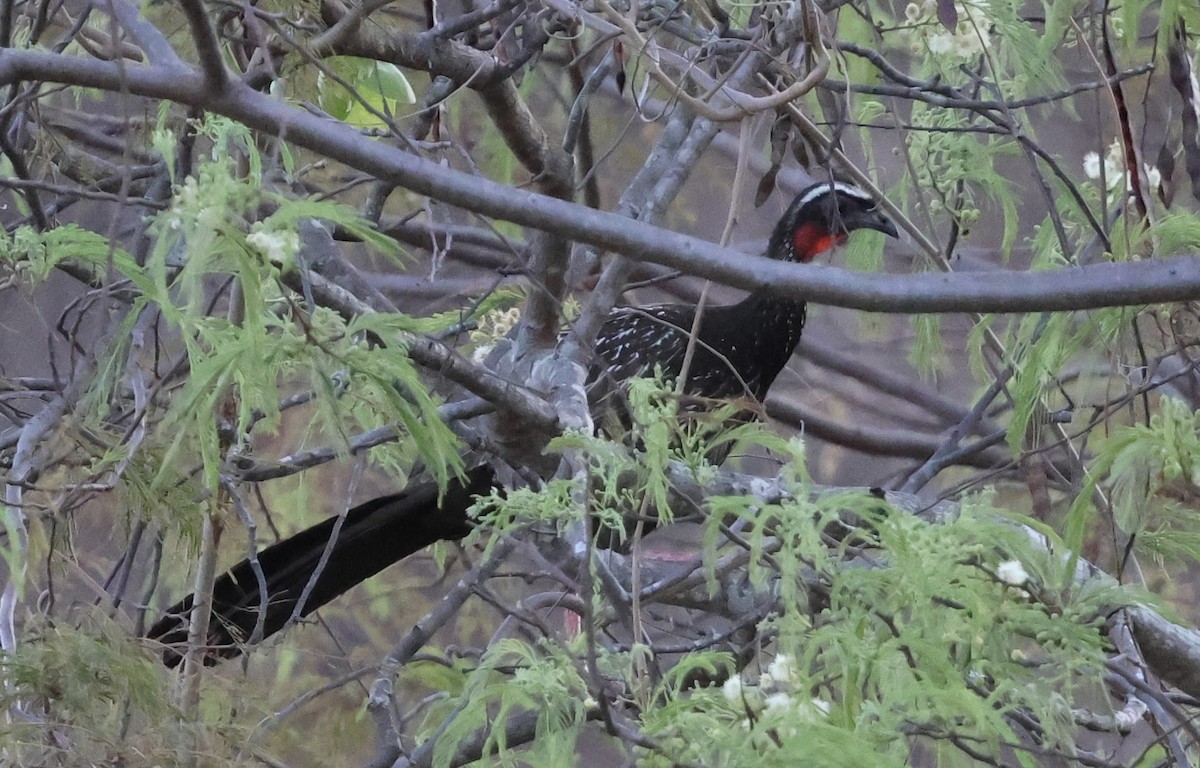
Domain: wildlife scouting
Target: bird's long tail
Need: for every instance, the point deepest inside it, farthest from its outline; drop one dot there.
(373, 536)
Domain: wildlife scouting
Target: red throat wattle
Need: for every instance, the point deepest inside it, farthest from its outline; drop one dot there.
(811, 240)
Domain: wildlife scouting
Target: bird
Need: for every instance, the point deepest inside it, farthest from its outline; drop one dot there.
(738, 352)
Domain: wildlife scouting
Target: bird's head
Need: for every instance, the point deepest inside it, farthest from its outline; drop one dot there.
(822, 216)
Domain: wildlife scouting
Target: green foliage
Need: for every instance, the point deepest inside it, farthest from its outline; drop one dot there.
(664, 434)
(1171, 532)
(1048, 342)
(88, 683)
(34, 255)
(517, 677)
(1045, 344)
(1171, 234)
(1176, 232)
(234, 344)
(931, 644)
(928, 352)
(1017, 53)
(958, 170)
(893, 635)
(242, 364)
(902, 632)
(553, 504)
(1128, 18)
(239, 363)
(379, 89)
(1137, 463)
(864, 251)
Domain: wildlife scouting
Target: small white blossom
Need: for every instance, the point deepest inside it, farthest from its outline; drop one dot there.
(795, 446)
(732, 689)
(782, 669)
(940, 43)
(968, 39)
(1153, 177)
(493, 327)
(276, 246)
(1011, 572)
(209, 218)
(778, 702)
(971, 40)
(1114, 169)
(188, 194)
(1114, 164)
(184, 203)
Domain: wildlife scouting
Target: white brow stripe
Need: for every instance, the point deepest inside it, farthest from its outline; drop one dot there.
(823, 189)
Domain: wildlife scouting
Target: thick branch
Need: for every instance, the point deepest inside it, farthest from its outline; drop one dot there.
(1093, 286)
(875, 441)
(149, 37)
(208, 47)
(427, 52)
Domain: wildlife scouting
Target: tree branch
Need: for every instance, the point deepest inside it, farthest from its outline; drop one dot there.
(441, 359)
(1088, 287)
(149, 37)
(208, 46)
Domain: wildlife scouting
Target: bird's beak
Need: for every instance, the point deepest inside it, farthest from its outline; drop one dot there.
(877, 221)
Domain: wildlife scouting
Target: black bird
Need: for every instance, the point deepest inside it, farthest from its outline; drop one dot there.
(740, 349)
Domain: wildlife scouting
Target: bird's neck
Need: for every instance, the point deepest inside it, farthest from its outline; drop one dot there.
(771, 312)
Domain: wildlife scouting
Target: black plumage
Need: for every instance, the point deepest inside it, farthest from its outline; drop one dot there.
(740, 348)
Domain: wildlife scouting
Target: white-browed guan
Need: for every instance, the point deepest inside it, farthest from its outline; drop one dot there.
(739, 350)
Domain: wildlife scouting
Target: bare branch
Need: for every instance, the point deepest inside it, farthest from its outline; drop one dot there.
(149, 37)
(1090, 287)
(208, 47)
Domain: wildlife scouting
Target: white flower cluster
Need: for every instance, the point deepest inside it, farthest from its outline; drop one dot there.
(188, 206)
(279, 246)
(492, 327)
(969, 38)
(1012, 573)
(1114, 168)
(774, 694)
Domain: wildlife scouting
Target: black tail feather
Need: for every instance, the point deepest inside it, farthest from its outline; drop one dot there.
(373, 536)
